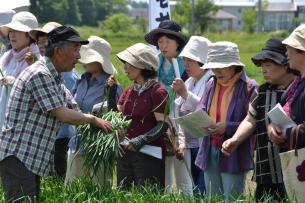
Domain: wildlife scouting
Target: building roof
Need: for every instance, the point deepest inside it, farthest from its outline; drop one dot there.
(13, 4)
(282, 7)
(234, 3)
(223, 15)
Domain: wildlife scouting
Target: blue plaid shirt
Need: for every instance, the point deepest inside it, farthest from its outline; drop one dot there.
(29, 130)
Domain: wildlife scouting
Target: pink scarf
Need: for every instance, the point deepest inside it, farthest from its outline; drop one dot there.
(20, 57)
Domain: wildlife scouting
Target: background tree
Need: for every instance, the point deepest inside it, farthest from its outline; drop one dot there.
(203, 11)
(88, 12)
(142, 24)
(117, 23)
(72, 15)
(249, 19)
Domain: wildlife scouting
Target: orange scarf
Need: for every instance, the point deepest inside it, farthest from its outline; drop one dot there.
(226, 98)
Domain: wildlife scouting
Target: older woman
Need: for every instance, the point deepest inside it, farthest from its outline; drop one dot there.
(226, 100)
(278, 77)
(13, 62)
(169, 39)
(194, 55)
(88, 91)
(144, 104)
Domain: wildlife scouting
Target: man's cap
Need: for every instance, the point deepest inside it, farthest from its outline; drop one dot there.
(64, 33)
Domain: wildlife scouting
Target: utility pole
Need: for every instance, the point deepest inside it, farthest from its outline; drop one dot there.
(193, 17)
(260, 17)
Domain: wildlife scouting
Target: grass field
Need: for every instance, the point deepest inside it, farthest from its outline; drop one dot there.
(82, 190)
(249, 45)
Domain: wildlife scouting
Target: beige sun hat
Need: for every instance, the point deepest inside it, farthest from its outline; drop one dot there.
(222, 54)
(23, 21)
(196, 49)
(48, 27)
(6, 16)
(140, 56)
(297, 38)
(98, 50)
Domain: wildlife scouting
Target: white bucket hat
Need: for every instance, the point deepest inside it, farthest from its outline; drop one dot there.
(6, 16)
(223, 54)
(196, 49)
(48, 27)
(98, 50)
(23, 21)
(140, 56)
(297, 38)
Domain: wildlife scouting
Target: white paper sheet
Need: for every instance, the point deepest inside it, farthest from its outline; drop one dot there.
(152, 151)
(194, 123)
(146, 149)
(176, 68)
(278, 117)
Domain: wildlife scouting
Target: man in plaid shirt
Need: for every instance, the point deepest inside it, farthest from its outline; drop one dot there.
(38, 103)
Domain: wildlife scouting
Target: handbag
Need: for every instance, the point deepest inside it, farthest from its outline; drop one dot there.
(293, 169)
(170, 139)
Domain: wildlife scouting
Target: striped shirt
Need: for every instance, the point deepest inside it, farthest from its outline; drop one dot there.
(29, 129)
(267, 166)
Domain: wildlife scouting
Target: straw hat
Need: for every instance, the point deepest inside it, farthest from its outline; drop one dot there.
(98, 50)
(23, 21)
(166, 27)
(222, 54)
(274, 50)
(48, 27)
(196, 49)
(297, 38)
(140, 56)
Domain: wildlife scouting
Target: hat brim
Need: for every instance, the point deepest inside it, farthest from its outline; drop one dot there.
(294, 43)
(33, 33)
(215, 65)
(269, 55)
(89, 56)
(5, 29)
(78, 39)
(151, 37)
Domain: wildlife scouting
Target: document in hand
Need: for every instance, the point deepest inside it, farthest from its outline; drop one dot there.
(278, 117)
(146, 149)
(194, 123)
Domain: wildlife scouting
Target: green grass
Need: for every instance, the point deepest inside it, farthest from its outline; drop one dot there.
(83, 190)
(249, 45)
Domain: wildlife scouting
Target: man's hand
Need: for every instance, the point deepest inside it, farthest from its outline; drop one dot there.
(101, 123)
(217, 129)
(275, 134)
(229, 146)
(179, 87)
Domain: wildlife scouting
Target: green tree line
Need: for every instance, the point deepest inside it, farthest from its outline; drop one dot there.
(76, 12)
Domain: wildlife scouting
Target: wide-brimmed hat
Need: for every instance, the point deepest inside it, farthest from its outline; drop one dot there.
(222, 55)
(6, 16)
(166, 27)
(140, 56)
(48, 27)
(98, 50)
(64, 33)
(274, 50)
(297, 38)
(196, 49)
(23, 21)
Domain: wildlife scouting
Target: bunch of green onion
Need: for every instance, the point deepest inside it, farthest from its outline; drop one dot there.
(100, 148)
